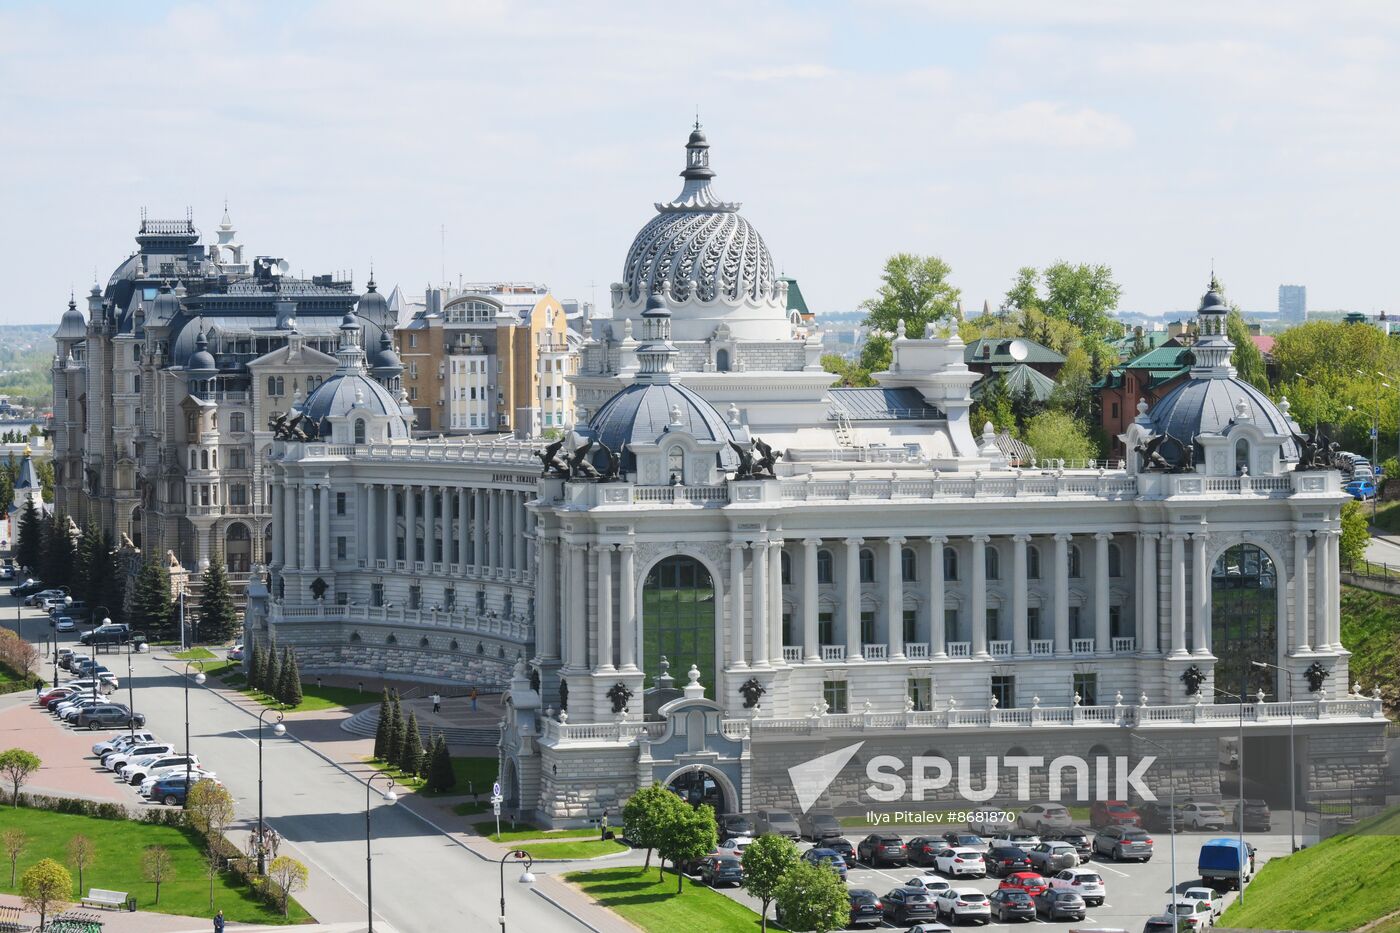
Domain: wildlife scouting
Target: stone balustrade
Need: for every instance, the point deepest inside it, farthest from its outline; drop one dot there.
(459, 621)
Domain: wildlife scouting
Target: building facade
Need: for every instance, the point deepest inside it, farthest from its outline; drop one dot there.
(1292, 304)
(27, 491)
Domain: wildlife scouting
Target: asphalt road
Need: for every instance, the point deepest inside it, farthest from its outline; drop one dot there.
(423, 881)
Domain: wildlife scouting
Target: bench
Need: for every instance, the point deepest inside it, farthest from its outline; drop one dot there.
(100, 897)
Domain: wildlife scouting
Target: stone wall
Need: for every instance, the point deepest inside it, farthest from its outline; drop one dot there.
(589, 780)
(1346, 761)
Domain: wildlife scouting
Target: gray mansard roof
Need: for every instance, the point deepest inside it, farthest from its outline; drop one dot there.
(641, 414)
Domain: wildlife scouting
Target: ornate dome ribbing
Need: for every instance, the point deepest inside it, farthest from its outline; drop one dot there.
(697, 247)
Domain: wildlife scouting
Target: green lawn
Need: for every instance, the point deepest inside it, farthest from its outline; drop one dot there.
(638, 897)
(1336, 885)
(1388, 516)
(195, 654)
(313, 698)
(471, 809)
(588, 848)
(474, 775)
(117, 865)
(1370, 633)
(487, 828)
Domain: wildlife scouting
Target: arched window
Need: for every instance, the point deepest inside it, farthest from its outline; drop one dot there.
(1075, 567)
(993, 563)
(1115, 560)
(359, 430)
(204, 459)
(908, 565)
(192, 425)
(678, 615)
(1032, 562)
(1241, 456)
(722, 360)
(867, 565)
(824, 565)
(1243, 619)
(950, 564)
(237, 422)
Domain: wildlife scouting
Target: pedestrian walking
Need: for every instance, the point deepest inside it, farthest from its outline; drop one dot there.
(437, 703)
(603, 825)
(219, 922)
(38, 687)
(473, 699)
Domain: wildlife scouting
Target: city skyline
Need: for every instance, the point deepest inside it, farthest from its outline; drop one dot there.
(1256, 138)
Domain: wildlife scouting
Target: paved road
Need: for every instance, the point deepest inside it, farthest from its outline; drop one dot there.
(1384, 551)
(423, 881)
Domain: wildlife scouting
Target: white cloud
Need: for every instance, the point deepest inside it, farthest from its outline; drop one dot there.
(1037, 124)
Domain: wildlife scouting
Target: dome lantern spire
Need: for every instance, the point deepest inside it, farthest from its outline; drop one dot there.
(696, 194)
(656, 356)
(1213, 347)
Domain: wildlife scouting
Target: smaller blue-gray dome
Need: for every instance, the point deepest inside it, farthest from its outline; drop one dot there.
(165, 305)
(201, 361)
(1207, 406)
(385, 361)
(641, 414)
(71, 326)
(373, 306)
(341, 392)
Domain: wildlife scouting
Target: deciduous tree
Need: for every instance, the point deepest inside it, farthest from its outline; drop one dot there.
(688, 833)
(16, 766)
(45, 888)
(80, 853)
(766, 860)
(813, 897)
(13, 841)
(1055, 435)
(1356, 533)
(914, 289)
(289, 876)
(157, 866)
(644, 815)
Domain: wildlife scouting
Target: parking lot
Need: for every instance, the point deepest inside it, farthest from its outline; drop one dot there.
(1135, 891)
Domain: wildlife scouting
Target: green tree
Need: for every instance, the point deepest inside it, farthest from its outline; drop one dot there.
(410, 757)
(288, 876)
(13, 841)
(218, 617)
(813, 897)
(80, 853)
(290, 694)
(1356, 534)
(272, 674)
(765, 861)
(645, 814)
(381, 730)
(393, 739)
(1055, 435)
(689, 833)
(995, 406)
(44, 470)
(29, 548)
(157, 866)
(45, 888)
(85, 560)
(850, 373)
(1248, 361)
(210, 809)
(152, 609)
(16, 767)
(1391, 468)
(913, 289)
(257, 658)
(1073, 393)
(59, 551)
(441, 777)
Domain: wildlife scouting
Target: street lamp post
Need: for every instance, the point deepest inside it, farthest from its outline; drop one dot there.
(199, 680)
(390, 798)
(1171, 822)
(1239, 813)
(526, 877)
(1292, 770)
(105, 621)
(130, 691)
(278, 730)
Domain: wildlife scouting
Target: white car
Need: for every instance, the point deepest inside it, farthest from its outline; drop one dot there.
(121, 742)
(1209, 895)
(1085, 882)
(957, 903)
(1203, 815)
(1020, 838)
(960, 861)
(1196, 914)
(65, 624)
(1043, 816)
(929, 882)
(196, 774)
(137, 771)
(735, 845)
(117, 760)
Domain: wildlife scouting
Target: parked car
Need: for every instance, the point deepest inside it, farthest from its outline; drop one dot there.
(1010, 904)
(115, 634)
(117, 760)
(817, 826)
(905, 906)
(1049, 857)
(1002, 860)
(778, 822)
(734, 824)
(964, 903)
(866, 909)
(121, 740)
(1161, 817)
(1040, 816)
(1030, 882)
(54, 693)
(1361, 489)
(1021, 838)
(135, 772)
(965, 841)
(1257, 817)
(819, 856)
(1059, 904)
(1203, 815)
(1196, 914)
(107, 715)
(26, 589)
(923, 849)
(1225, 862)
(929, 881)
(882, 848)
(65, 624)
(168, 774)
(1085, 882)
(1083, 845)
(842, 846)
(1123, 842)
(68, 710)
(170, 788)
(235, 653)
(722, 869)
(1162, 924)
(1113, 813)
(958, 862)
(989, 828)
(1209, 895)
(734, 845)
(934, 927)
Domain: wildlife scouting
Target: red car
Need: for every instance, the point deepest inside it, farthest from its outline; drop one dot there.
(1113, 813)
(1027, 881)
(53, 693)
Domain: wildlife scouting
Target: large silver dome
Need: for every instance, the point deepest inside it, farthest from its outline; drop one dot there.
(697, 247)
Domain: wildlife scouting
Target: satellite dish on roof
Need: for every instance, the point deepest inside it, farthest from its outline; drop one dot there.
(283, 266)
(1019, 350)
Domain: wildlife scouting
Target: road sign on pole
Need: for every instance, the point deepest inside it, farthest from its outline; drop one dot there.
(496, 789)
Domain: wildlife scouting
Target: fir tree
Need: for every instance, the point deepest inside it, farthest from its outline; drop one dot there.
(257, 659)
(88, 562)
(58, 552)
(109, 582)
(394, 737)
(151, 607)
(411, 747)
(291, 681)
(440, 775)
(29, 550)
(381, 731)
(218, 617)
(272, 672)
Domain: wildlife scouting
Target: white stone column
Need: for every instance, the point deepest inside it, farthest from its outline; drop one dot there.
(1322, 575)
(603, 556)
(937, 599)
(811, 648)
(853, 649)
(578, 608)
(410, 520)
(371, 526)
(1020, 620)
(1334, 589)
(1200, 602)
(1178, 540)
(308, 528)
(738, 647)
(1149, 641)
(546, 612)
(979, 596)
(760, 603)
(508, 531)
(1300, 592)
(279, 528)
(774, 651)
(324, 531)
(464, 524)
(1103, 634)
(480, 550)
(429, 521)
(627, 608)
(493, 529)
(391, 547)
(1062, 593)
(521, 532)
(894, 597)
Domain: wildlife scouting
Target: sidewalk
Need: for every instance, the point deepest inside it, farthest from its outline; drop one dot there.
(120, 921)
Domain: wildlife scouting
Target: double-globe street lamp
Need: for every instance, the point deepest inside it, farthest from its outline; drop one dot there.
(389, 797)
(199, 681)
(1292, 769)
(278, 730)
(106, 620)
(526, 877)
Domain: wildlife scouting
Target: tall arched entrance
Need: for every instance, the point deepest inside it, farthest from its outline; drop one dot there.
(238, 548)
(697, 784)
(1244, 620)
(678, 619)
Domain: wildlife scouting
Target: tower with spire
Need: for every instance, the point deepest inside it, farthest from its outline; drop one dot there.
(1212, 348)
(27, 490)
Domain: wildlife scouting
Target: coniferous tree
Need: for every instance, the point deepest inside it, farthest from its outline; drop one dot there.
(152, 609)
(218, 617)
(107, 583)
(381, 731)
(394, 737)
(86, 561)
(272, 673)
(29, 550)
(440, 775)
(256, 660)
(411, 746)
(291, 680)
(58, 552)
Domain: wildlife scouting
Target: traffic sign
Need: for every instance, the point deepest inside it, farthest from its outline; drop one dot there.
(496, 809)
(1373, 434)
(496, 789)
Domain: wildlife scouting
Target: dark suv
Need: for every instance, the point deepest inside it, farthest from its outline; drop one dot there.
(866, 909)
(108, 715)
(734, 824)
(1075, 837)
(908, 905)
(114, 634)
(877, 848)
(1005, 860)
(1257, 817)
(1123, 842)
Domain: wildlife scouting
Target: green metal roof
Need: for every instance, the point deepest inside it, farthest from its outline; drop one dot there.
(795, 301)
(1000, 352)
(1019, 378)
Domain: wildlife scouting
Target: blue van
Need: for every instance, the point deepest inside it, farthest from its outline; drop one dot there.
(1225, 862)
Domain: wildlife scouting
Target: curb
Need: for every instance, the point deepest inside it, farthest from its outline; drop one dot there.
(562, 909)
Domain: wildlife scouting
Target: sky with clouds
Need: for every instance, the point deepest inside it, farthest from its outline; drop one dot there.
(1151, 137)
